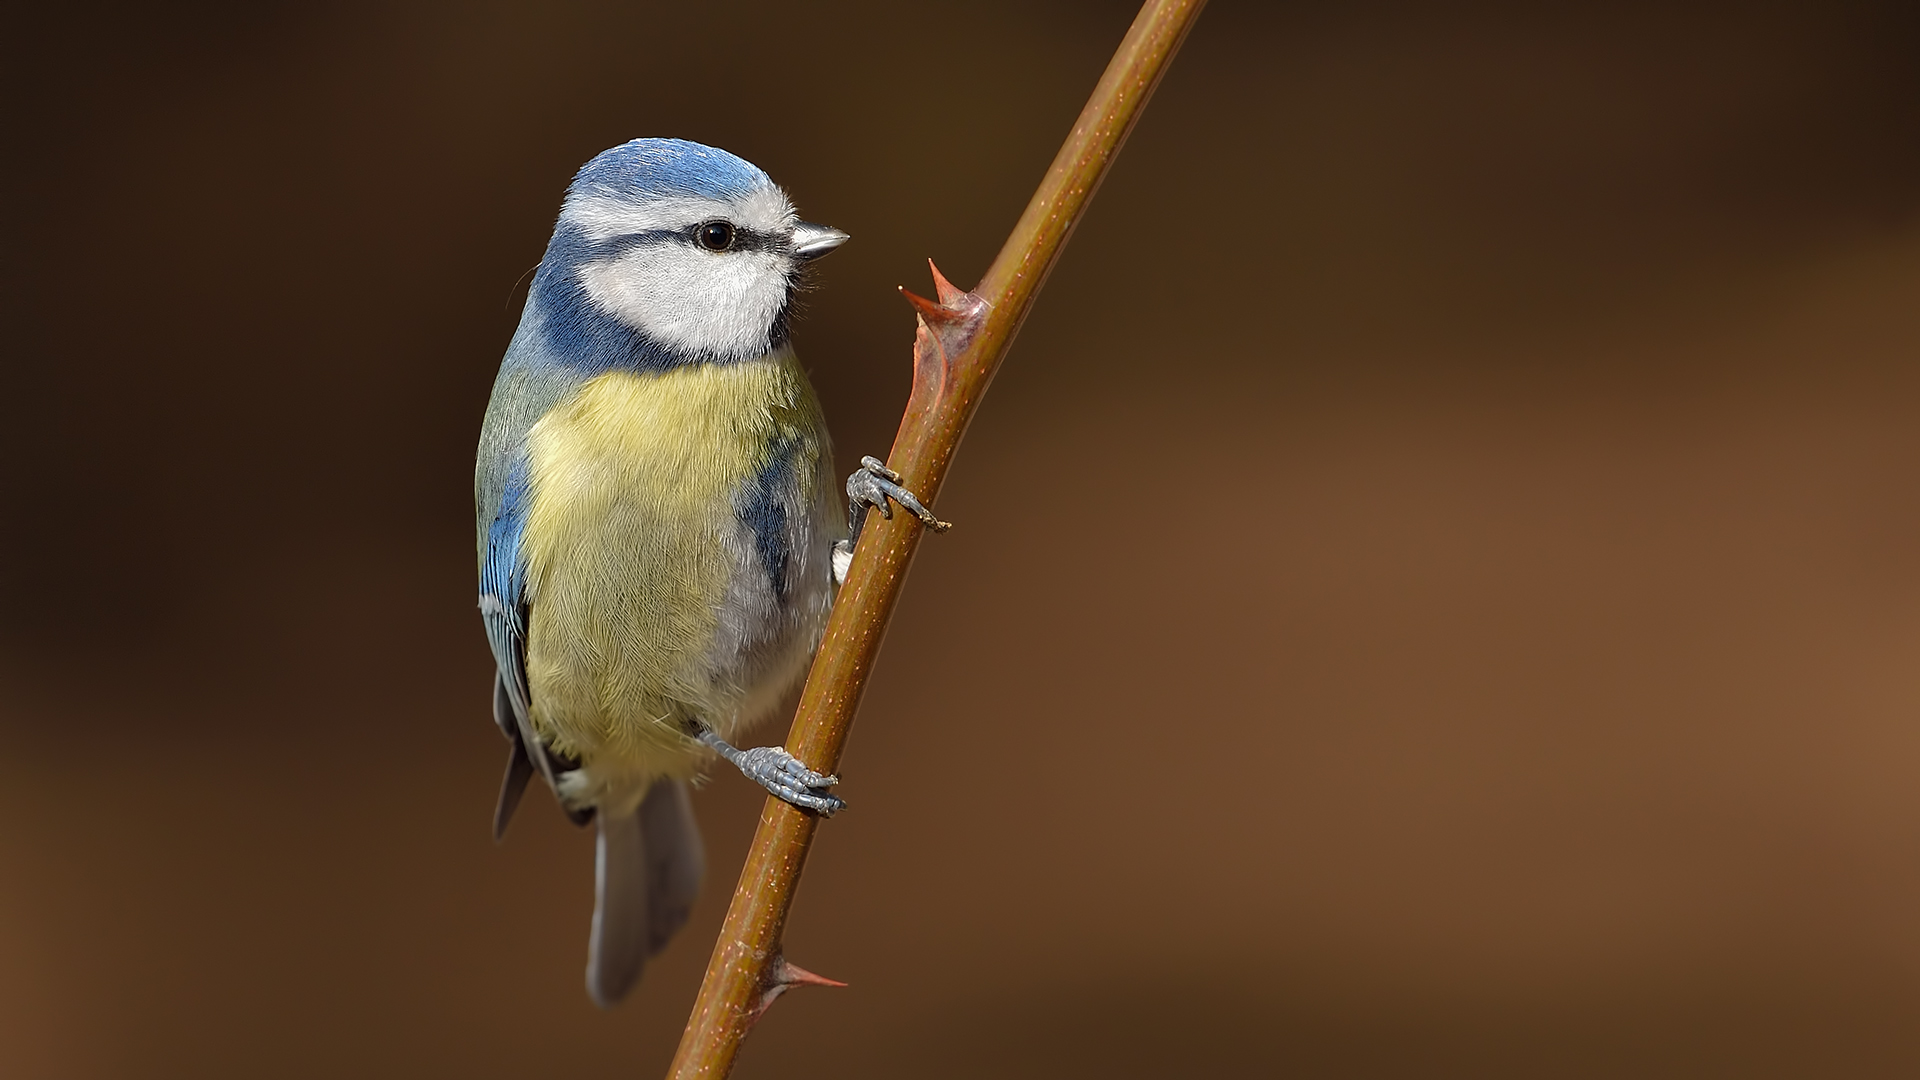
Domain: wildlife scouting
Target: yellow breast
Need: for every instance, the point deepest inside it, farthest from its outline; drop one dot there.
(631, 540)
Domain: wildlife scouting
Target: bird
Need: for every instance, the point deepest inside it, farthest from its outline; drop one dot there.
(658, 526)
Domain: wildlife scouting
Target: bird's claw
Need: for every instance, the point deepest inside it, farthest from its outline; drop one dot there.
(874, 485)
(783, 775)
(786, 777)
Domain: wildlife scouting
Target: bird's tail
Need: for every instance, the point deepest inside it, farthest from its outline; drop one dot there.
(647, 871)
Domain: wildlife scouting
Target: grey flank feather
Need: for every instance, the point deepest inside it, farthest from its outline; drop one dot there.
(647, 871)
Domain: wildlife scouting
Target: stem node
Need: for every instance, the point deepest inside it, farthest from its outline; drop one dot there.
(781, 976)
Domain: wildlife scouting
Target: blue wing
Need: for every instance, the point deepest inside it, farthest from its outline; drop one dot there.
(503, 595)
(504, 606)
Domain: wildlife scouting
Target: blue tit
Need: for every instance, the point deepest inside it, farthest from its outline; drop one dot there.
(658, 526)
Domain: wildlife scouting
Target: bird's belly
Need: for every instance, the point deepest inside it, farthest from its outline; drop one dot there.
(653, 601)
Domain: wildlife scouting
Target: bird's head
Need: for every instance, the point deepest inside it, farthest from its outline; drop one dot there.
(691, 248)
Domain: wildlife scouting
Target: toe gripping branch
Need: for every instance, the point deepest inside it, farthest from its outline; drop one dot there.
(878, 487)
(784, 776)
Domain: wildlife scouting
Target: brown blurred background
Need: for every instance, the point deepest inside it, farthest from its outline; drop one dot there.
(1437, 589)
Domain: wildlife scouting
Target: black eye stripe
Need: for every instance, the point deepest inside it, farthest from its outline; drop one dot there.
(744, 239)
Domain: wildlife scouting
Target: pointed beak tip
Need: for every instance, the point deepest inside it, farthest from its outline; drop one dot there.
(811, 241)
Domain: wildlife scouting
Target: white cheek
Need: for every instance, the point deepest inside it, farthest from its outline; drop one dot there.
(690, 299)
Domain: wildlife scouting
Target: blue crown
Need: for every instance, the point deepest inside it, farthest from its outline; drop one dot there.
(665, 168)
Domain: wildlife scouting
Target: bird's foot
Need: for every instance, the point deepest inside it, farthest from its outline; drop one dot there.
(876, 487)
(782, 774)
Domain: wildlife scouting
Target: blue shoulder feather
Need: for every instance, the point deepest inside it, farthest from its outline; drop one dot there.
(763, 506)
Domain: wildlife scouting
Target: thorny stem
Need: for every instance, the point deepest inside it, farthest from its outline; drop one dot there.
(959, 344)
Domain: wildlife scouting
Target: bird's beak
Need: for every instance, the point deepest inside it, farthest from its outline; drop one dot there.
(811, 241)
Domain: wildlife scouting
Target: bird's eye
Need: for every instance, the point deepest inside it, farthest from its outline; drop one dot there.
(715, 235)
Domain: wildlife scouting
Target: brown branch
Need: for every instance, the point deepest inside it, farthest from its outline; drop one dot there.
(962, 338)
